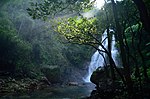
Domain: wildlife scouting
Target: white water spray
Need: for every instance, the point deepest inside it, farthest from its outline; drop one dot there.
(97, 59)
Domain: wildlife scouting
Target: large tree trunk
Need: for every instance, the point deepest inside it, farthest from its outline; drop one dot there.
(122, 51)
(109, 50)
(145, 18)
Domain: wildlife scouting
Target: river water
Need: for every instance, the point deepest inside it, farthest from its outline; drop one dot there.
(57, 92)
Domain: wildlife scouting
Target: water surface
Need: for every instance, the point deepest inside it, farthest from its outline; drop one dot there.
(57, 92)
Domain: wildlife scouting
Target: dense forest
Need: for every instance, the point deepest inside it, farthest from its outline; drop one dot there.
(47, 45)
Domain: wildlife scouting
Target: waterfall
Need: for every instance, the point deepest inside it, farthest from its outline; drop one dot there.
(114, 51)
(97, 59)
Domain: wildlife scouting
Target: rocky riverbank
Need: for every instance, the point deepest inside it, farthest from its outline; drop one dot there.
(28, 88)
(23, 85)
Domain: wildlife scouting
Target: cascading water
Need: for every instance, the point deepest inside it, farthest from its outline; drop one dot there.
(97, 59)
(114, 51)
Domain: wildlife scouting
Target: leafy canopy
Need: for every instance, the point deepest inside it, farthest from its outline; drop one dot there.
(48, 8)
(78, 30)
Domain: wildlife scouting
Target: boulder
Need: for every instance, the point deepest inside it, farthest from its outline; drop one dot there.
(98, 76)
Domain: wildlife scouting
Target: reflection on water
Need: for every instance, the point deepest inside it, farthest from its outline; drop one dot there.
(61, 92)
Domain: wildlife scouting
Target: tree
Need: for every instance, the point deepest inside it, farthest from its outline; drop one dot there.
(14, 52)
(57, 8)
(85, 31)
(122, 50)
(144, 16)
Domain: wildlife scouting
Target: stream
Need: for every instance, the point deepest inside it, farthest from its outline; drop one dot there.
(57, 92)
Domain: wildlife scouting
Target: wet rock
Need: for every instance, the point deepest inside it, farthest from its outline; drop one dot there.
(72, 83)
(98, 76)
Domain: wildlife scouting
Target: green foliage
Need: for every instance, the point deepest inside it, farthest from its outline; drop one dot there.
(148, 72)
(132, 30)
(52, 73)
(77, 55)
(3, 2)
(13, 52)
(51, 7)
(34, 44)
(80, 31)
